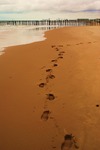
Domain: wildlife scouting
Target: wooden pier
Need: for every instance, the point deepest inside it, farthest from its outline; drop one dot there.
(78, 22)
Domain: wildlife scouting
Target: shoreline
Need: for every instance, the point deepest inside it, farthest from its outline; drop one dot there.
(51, 88)
(43, 36)
(9, 37)
(38, 35)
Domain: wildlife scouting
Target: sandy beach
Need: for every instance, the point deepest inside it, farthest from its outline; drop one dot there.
(50, 92)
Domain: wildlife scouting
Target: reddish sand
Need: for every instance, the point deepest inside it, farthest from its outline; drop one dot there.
(35, 116)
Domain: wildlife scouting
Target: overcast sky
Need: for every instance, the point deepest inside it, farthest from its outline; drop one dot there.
(45, 9)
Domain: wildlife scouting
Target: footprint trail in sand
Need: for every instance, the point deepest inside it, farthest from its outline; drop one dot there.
(51, 96)
(69, 141)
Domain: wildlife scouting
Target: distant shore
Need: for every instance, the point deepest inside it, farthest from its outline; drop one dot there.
(50, 92)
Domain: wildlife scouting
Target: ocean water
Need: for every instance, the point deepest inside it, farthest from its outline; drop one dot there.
(19, 35)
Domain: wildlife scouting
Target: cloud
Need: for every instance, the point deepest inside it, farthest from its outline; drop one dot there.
(51, 7)
(6, 2)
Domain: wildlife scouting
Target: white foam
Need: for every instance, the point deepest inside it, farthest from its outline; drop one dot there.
(19, 35)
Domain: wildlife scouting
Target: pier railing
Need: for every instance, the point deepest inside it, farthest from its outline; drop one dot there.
(78, 22)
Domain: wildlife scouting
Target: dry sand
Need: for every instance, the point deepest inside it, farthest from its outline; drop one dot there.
(50, 89)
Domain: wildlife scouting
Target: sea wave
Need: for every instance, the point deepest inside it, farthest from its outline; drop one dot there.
(19, 35)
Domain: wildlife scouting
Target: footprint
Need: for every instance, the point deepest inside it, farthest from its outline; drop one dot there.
(48, 70)
(53, 46)
(45, 115)
(50, 76)
(42, 85)
(60, 54)
(60, 57)
(57, 49)
(55, 65)
(69, 142)
(54, 60)
(50, 96)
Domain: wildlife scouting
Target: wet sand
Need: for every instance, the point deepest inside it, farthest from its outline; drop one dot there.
(50, 92)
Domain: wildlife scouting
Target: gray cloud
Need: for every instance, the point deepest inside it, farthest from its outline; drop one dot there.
(6, 2)
(51, 7)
